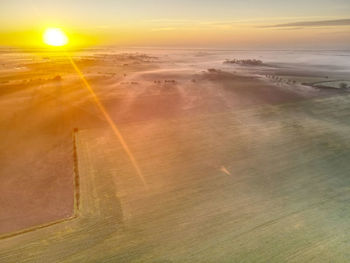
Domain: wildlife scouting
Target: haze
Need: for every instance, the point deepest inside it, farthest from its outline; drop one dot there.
(174, 131)
(230, 24)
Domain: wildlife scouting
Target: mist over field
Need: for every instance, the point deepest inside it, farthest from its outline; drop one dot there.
(174, 131)
(244, 140)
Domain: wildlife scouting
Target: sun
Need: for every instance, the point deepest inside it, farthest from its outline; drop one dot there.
(55, 37)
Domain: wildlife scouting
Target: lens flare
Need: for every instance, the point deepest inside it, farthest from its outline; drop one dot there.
(110, 121)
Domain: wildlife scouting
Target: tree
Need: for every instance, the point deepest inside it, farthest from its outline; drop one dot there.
(343, 85)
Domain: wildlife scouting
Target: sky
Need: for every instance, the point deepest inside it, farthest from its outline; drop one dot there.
(323, 24)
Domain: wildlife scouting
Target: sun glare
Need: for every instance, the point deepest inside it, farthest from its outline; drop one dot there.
(55, 37)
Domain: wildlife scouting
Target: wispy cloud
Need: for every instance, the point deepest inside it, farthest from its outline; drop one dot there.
(320, 23)
(169, 24)
(164, 29)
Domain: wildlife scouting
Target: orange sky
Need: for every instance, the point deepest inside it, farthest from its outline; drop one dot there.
(220, 23)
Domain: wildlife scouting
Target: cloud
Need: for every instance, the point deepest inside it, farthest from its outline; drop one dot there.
(322, 23)
(164, 29)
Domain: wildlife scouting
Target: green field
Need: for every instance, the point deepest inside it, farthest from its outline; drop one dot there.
(265, 184)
